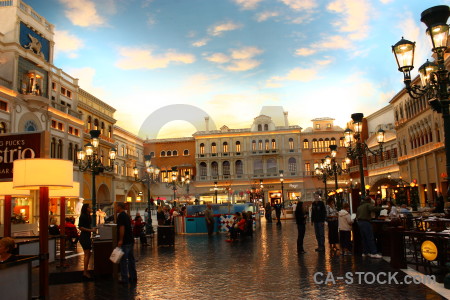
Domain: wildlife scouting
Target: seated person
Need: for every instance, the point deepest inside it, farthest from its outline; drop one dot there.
(53, 228)
(7, 246)
(393, 211)
(138, 230)
(405, 211)
(71, 232)
(238, 226)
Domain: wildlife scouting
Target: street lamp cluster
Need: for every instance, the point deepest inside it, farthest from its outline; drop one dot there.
(89, 160)
(434, 76)
(150, 175)
(175, 182)
(331, 168)
(357, 148)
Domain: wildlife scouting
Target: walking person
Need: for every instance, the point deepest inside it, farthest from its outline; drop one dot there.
(363, 215)
(345, 229)
(318, 215)
(332, 220)
(84, 224)
(300, 219)
(268, 212)
(125, 241)
(278, 208)
(209, 219)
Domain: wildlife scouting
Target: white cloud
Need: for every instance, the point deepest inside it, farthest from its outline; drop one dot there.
(297, 74)
(67, 43)
(305, 51)
(261, 17)
(138, 58)
(151, 20)
(238, 60)
(245, 53)
(82, 13)
(300, 4)
(333, 42)
(200, 43)
(247, 4)
(242, 65)
(385, 1)
(218, 30)
(219, 58)
(354, 17)
(86, 81)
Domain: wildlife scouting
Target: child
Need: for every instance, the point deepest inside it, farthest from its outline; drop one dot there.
(345, 228)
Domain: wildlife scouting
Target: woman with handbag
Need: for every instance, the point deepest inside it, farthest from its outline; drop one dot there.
(84, 224)
(333, 224)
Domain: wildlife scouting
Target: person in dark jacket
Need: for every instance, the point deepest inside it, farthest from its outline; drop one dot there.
(363, 215)
(300, 219)
(318, 215)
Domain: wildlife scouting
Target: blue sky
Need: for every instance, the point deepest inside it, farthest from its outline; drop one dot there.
(315, 58)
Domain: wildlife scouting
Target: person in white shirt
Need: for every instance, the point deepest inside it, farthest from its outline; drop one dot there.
(345, 229)
(393, 211)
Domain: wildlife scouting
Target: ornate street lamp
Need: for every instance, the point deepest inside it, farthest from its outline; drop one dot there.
(261, 186)
(282, 187)
(175, 182)
(434, 76)
(150, 176)
(357, 149)
(89, 160)
(336, 169)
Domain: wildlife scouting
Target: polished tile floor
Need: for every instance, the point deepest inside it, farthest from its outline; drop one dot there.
(265, 266)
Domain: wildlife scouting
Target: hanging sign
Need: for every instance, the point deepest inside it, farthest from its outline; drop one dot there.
(429, 250)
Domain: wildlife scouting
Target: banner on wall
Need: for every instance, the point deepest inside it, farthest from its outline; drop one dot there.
(19, 146)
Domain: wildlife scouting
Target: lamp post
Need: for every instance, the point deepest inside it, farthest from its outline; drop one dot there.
(175, 182)
(336, 170)
(215, 191)
(150, 176)
(282, 187)
(322, 174)
(356, 148)
(261, 186)
(89, 160)
(433, 75)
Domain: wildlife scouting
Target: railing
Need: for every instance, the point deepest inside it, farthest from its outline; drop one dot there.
(6, 3)
(66, 110)
(421, 150)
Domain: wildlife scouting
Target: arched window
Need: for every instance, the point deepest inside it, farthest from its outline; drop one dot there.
(96, 124)
(109, 131)
(186, 152)
(332, 141)
(239, 167)
(291, 144)
(214, 168)
(274, 144)
(292, 165)
(257, 166)
(266, 127)
(169, 153)
(259, 127)
(2, 127)
(326, 145)
(315, 145)
(30, 126)
(305, 144)
(260, 145)
(174, 153)
(89, 123)
(225, 147)
(75, 154)
(226, 168)
(238, 146)
(266, 145)
(253, 145)
(202, 148)
(321, 146)
(341, 142)
(213, 148)
(70, 152)
(163, 153)
(203, 169)
(102, 128)
(271, 166)
(60, 149)
(53, 148)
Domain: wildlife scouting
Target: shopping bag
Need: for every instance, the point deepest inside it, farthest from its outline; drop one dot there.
(116, 255)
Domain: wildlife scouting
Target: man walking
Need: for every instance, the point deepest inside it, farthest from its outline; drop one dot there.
(363, 215)
(278, 207)
(318, 215)
(209, 219)
(125, 241)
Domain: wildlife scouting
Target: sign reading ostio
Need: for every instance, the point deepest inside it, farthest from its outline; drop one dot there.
(18, 146)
